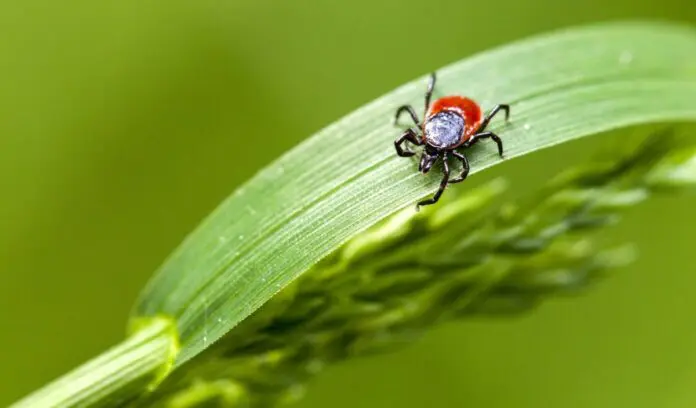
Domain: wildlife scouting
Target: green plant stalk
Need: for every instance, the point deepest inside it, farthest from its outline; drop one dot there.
(377, 291)
(347, 177)
(475, 255)
(117, 377)
(241, 265)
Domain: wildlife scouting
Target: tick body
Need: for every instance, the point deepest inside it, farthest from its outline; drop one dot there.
(449, 123)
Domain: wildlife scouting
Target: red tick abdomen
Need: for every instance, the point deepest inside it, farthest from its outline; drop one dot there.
(465, 106)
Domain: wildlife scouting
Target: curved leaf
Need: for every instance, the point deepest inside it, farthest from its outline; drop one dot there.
(561, 86)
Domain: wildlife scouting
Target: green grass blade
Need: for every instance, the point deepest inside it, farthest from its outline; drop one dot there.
(561, 86)
(482, 253)
(119, 375)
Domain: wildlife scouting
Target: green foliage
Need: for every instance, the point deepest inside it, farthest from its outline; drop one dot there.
(478, 254)
(119, 375)
(337, 213)
(561, 86)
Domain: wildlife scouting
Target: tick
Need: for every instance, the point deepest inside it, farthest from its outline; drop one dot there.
(450, 123)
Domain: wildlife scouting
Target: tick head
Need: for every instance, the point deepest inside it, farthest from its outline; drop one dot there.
(428, 158)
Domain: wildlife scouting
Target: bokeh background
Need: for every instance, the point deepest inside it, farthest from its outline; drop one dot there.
(123, 123)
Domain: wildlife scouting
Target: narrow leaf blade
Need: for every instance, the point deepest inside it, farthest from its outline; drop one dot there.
(345, 178)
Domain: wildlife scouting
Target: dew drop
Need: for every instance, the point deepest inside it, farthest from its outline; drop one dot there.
(625, 57)
(279, 171)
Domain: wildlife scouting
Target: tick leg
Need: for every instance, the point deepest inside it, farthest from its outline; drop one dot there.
(486, 135)
(409, 135)
(429, 92)
(443, 184)
(410, 110)
(465, 168)
(492, 113)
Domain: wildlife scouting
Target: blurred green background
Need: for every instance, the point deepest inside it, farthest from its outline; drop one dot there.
(123, 123)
